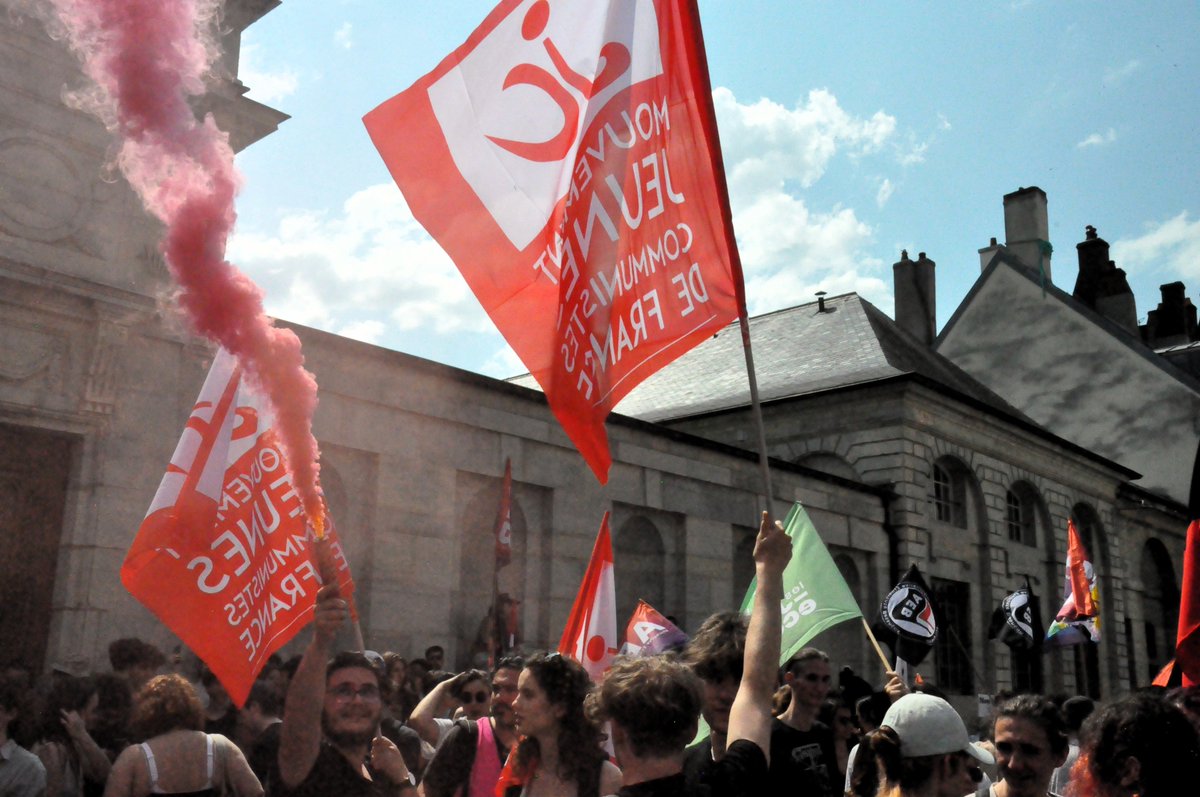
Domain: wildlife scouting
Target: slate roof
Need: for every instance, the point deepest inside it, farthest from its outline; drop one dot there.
(797, 351)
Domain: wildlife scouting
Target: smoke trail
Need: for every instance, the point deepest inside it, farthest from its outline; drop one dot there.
(147, 58)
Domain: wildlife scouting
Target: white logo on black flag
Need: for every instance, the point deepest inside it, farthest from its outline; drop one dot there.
(1017, 621)
(906, 619)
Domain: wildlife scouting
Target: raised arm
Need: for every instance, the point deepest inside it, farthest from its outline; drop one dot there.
(300, 734)
(439, 699)
(750, 716)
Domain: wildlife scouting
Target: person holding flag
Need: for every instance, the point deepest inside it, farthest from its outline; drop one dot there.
(329, 743)
(652, 703)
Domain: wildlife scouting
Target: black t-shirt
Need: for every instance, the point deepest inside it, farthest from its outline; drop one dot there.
(741, 772)
(333, 776)
(803, 763)
(451, 765)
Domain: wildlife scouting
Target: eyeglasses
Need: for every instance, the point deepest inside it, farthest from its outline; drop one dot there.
(344, 693)
(475, 697)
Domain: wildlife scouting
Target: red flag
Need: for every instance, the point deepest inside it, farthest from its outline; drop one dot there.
(1079, 618)
(1187, 635)
(566, 158)
(503, 529)
(223, 555)
(590, 636)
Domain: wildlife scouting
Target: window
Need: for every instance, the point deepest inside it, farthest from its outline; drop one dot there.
(952, 609)
(1027, 671)
(948, 496)
(1019, 516)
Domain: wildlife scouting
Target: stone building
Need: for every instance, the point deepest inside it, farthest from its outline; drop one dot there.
(899, 450)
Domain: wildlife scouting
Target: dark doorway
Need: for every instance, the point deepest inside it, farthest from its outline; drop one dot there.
(34, 468)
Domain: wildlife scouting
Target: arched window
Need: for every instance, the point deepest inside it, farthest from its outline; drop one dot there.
(639, 567)
(1020, 514)
(949, 493)
(1160, 602)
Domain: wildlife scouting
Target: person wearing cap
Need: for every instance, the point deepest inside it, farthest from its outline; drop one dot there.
(923, 750)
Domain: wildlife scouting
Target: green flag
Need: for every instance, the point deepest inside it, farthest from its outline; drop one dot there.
(815, 596)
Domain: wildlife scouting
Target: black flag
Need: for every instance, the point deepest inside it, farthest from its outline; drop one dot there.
(1017, 621)
(906, 619)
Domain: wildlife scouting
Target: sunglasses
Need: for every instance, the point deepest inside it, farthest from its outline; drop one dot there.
(475, 697)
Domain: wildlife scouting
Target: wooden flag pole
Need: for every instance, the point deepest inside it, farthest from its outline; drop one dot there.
(756, 410)
(887, 667)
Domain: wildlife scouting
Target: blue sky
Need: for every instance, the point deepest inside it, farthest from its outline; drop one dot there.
(851, 131)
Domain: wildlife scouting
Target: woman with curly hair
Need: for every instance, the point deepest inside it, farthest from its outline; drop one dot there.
(559, 752)
(178, 757)
(1138, 745)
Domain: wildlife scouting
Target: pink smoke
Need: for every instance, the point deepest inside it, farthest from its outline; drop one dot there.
(147, 58)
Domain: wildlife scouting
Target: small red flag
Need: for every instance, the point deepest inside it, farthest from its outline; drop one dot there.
(648, 633)
(566, 158)
(1077, 566)
(223, 556)
(590, 636)
(503, 528)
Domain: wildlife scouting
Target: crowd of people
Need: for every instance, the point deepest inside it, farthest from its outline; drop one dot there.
(350, 723)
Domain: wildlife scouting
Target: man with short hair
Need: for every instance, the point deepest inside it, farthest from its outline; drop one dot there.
(22, 774)
(473, 751)
(436, 656)
(715, 653)
(1030, 737)
(329, 742)
(652, 703)
(803, 760)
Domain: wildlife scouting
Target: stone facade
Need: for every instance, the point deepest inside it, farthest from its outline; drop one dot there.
(97, 377)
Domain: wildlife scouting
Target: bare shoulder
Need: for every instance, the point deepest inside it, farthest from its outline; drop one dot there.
(610, 778)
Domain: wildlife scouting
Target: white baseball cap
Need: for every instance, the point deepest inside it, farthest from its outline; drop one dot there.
(928, 725)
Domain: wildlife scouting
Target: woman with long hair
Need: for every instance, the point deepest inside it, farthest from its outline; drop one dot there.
(178, 757)
(559, 753)
(922, 750)
(66, 710)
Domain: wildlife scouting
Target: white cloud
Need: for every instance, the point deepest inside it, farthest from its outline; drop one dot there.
(266, 85)
(766, 142)
(365, 271)
(943, 122)
(1171, 246)
(344, 37)
(503, 364)
(1098, 139)
(788, 250)
(368, 331)
(1118, 74)
(886, 189)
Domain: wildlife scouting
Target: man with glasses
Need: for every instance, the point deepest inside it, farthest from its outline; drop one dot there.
(469, 690)
(473, 751)
(329, 742)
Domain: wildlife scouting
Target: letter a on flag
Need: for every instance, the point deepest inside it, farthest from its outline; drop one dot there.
(223, 555)
(590, 636)
(566, 158)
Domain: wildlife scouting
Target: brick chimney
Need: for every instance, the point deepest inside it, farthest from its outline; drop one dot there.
(916, 297)
(1173, 322)
(1027, 227)
(1101, 285)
